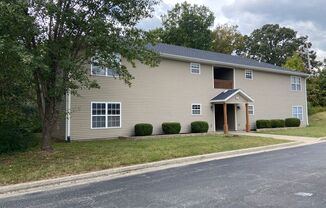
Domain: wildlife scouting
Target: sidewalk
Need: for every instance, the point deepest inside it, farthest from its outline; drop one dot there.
(109, 174)
(274, 136)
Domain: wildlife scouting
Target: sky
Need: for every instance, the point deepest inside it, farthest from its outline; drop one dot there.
(306, 17)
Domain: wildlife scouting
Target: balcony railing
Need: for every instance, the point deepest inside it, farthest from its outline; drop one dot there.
(223, 84)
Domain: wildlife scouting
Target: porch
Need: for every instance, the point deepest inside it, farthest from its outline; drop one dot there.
(225, 106)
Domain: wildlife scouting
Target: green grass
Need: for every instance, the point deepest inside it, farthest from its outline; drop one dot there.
(317, 127)
(85, 156)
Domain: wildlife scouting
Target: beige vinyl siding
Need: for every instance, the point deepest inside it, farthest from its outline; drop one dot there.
(272, 94)
(160, 94)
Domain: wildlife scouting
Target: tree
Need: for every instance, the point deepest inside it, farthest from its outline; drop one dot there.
(57, 39)
(295, 62)
(273, 44)
(188, 26)
(227, 39)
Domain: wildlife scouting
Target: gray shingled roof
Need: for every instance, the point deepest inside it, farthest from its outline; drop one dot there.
(227, 94)
(180, 52)
(224, 95)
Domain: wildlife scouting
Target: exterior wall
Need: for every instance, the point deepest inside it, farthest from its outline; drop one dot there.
(272, 94)
(160, 94)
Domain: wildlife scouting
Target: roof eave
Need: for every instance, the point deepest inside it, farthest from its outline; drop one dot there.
(206, 61)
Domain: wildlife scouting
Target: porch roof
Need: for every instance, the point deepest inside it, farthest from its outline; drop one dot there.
(226, 96)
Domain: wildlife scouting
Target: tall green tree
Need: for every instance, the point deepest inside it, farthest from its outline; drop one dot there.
(57, 39)
(188, 25)
(295, 62)
(227, 39)
(273, 44)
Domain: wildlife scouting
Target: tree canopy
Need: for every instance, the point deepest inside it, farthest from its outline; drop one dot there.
(54, 41)
(273, 44)
(227, 39)
(188, 25)
(295, 62)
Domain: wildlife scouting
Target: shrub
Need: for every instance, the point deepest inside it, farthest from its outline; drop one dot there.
(143, 129)
(171, 127)
(199, 127)
(292, 122)
(261, 124)
(15, 139)
(277, 123)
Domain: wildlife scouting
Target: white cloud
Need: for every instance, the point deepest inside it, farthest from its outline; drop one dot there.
(306, 17)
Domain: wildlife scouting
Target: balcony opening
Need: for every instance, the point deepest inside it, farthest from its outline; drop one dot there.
(223, 78)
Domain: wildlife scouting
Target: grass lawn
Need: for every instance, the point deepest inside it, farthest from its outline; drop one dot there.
(84, 156)
(317, 127)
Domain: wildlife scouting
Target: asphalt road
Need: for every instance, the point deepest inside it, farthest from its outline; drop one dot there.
(286, 178)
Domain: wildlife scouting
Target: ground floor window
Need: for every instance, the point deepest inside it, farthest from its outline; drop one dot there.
(251, 110)
(297, 112)
(106, 115)
(196, 109)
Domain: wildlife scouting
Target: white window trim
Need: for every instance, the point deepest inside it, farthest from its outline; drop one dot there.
(250, 71)
(297, 106)
(291, 79)
(200, 110)
(199, 68)
(253, 110)
(106, 115)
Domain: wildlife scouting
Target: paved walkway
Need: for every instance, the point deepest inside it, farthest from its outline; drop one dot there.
(291, 138)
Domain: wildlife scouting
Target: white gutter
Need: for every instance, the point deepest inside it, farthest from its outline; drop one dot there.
(68, 111)
(306, 98)
(185, 58)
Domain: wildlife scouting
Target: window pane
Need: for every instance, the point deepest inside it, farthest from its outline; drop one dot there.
(112, 73)
(113, 109)
(113, 121)
(97, 70)
(98, 109)
(98, 121)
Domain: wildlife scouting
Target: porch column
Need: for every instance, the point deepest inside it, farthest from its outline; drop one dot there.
(247, 119)
(226, 128)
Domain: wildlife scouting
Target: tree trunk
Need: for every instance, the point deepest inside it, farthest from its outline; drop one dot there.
(47, 136)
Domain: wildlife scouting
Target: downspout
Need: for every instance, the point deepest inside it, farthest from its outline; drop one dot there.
(307, 118)
(68, 111)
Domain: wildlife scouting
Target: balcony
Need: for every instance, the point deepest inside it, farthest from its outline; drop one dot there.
(223, 84)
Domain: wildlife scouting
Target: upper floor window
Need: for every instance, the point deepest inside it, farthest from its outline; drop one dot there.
(195, 109)
(297, 112)
(249, 74)
(295, 83)
(97, 70)
(106, 115)
(195, 68)
(251, 110)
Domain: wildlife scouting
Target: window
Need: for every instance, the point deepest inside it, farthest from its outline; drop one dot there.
(97, 70)
(196, 109)
(251, 109)
(296, 83)
(297, 112)
(249, 74)
(106, 115)
(195, 68)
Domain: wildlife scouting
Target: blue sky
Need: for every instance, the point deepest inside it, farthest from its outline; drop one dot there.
(306, 17)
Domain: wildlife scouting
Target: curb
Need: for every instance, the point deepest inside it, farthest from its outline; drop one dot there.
(109, 174)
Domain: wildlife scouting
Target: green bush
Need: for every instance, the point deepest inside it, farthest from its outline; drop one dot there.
(277, 123)
(199, 127)
(261, 124)
(14, 139)
(171, 127)
(315, 109)
(143, 129)
(292, 122)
